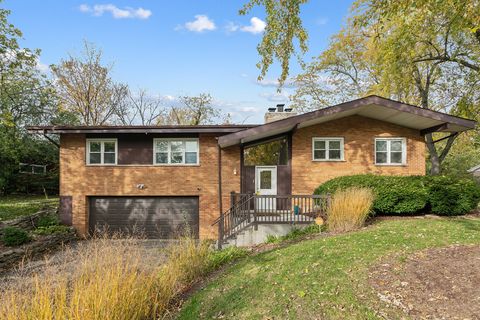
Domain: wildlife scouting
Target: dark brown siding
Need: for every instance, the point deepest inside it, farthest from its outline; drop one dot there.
(65, 210)
(137, 148)
(153, 217)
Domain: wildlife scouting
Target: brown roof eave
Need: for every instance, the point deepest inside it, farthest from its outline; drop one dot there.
(292, 122)
(138, 129)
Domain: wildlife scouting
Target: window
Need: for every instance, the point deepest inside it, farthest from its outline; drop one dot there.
(327, 149)
(175, 151)
(102, 151)
(390, 151)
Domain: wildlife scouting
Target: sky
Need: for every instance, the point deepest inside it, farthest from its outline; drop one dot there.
(174, 48)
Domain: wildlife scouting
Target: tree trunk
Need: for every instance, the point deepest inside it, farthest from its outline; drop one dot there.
(434, 158)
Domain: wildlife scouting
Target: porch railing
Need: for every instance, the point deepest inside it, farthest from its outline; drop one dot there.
(251, 209)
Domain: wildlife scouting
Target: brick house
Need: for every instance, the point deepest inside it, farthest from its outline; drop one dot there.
(158, 178)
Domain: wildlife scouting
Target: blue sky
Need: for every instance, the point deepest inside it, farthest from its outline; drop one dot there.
(176, 47)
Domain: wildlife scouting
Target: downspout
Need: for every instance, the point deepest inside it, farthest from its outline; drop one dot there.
(220, 222)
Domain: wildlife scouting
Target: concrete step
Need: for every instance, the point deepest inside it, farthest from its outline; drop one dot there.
(250, 237)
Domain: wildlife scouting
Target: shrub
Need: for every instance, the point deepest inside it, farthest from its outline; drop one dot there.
(13, 236)
(219, 258)
(48, 220)
(451, 197)
(393, 194)
(51, 230)
(349, 209)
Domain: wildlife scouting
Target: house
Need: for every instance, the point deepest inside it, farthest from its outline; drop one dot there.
(219, 178)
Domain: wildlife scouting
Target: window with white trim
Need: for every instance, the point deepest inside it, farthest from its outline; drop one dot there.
(176, 151)
(102, 151)
(390, 151)
(327, 149)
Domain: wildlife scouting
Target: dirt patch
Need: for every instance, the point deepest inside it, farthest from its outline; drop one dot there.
(440, 283)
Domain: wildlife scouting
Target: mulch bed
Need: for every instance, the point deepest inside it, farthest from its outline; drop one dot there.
(439, 283)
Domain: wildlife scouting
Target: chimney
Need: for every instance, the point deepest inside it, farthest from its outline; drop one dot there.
(278, 113)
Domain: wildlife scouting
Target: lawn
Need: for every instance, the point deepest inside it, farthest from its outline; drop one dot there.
(326, 277)
(15, 206)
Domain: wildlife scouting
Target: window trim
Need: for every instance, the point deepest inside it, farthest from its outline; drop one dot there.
(102, 151)
(388, 163)
(169, 152)
(342, 149)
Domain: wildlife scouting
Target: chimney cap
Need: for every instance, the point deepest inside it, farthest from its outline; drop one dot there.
(272, 109)
(288, 109)
(280, 107)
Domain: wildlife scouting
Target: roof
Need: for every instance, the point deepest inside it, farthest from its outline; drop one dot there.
(474, 169)
(375, 107)
(140, 129)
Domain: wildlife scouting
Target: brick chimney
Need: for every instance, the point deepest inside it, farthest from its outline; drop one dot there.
(278, 113)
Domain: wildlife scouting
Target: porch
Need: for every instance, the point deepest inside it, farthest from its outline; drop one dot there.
(251, 210)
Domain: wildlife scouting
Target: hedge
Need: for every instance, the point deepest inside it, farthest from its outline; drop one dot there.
(412, 194)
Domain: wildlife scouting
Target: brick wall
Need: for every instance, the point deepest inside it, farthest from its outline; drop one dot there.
(80, 181)
(359, 134)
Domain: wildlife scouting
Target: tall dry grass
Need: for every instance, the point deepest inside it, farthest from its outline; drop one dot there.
(106, 279)
(349, 209)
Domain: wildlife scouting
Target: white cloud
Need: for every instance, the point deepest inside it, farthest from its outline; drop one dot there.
(276, 97)
(42, 66)
(125, 13)
(200, 24)
(271, 83)
(256, 26)
(231, 27)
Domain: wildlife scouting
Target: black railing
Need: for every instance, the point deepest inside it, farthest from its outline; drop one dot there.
(251, 209)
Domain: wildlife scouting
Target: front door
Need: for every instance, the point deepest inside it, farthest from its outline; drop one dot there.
(266, 185)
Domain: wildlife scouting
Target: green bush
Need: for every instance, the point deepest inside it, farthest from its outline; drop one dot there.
(217, 259)
(452, 197)
(440, 195)
(393, 194)
(13, 236)
(51, 230)
(48, 220)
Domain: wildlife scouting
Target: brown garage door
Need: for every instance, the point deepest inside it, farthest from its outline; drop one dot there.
(155, 217)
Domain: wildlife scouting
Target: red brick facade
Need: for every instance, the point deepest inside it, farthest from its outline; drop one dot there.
(81, 181)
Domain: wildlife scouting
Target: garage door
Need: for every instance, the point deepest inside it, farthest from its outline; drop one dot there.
(154, 217)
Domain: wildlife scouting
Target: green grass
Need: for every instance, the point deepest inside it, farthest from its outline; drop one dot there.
(12, 207)
(323, 278)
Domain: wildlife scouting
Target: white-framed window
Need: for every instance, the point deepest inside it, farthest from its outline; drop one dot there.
(327, 149)
(102, 151)
(390, 151)
(182, 151)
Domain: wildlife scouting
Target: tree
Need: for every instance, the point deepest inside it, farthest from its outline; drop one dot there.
(26, 98)
(284, 26)
(195, 110)
(140, 108)
(85, 87)
(398, 55)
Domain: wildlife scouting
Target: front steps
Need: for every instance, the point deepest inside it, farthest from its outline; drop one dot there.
(250, 237)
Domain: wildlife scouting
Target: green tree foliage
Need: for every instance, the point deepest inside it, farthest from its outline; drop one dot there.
(422, 52)
(26, 98)
(284, 26)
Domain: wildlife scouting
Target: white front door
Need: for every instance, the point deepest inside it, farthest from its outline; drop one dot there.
(266, 185)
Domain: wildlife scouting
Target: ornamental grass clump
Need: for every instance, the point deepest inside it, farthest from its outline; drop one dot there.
(349, 209)
(107, 278)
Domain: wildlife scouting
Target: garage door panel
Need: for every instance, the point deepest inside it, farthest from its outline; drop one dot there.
(154, 217)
